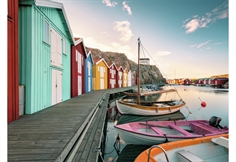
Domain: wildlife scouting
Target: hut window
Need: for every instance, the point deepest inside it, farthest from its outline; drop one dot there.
(56, 49)
(46, 32)
(79, 62)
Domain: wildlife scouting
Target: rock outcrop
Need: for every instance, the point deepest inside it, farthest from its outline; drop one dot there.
(149, 74)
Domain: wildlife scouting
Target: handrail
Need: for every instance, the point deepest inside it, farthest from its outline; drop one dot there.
(159, 148)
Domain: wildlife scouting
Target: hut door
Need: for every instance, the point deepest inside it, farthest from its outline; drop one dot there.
(101, 83)
(89, 67)
(79, 85)
(102, 71)
(89, 84)
(56, 86)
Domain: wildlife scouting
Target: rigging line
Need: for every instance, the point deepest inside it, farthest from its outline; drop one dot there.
(158, 66)
(154, 62)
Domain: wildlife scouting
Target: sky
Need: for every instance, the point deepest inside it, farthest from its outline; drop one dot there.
(183, 38)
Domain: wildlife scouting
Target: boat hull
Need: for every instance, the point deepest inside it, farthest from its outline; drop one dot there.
(202, 148)
(153, 132)
(134, 109)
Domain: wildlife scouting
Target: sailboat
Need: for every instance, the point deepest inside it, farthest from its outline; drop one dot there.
(147, 107)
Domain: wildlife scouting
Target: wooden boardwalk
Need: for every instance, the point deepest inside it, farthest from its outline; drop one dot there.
(68, 131)
(72, 131)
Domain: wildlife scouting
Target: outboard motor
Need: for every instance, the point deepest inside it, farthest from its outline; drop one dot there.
(215, 122)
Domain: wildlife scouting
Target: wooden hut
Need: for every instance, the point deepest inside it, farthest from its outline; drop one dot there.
(13, 103)
(45, 40)
(78, 56)
(129, 78)
(88, 72)
(100, 70)
(119, 77)
(125, 78)
(112, 75)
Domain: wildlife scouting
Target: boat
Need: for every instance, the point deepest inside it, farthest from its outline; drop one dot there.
(153, 132)
(204, 149)
(145, 107)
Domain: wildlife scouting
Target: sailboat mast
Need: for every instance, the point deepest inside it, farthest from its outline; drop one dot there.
(138, 78)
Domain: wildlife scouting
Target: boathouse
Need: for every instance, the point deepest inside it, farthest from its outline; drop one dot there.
(219, 81)
(12, 62)
(78, 55)
(100, 74)
(119, 78)
(129, 78)
(125, 78)
(112, 75)
(88, 72)
(187, 81)
(45, 40)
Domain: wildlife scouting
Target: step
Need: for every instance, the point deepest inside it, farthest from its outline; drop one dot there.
(221, 141)
(186, 156)
(158, 131)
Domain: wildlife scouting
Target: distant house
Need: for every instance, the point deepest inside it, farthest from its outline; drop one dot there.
(205, 81)
(100, 74)
(125, 78)
(200, 82)
(187, 81)
(119, 77)
(129, 78)
(133, 78)
(88, 72)
(112, 75)
(13, 103)
(219, 81)
(45, 40)
(144, 61)
(78, 55)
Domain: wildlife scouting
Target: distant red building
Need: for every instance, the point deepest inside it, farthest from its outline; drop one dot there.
(119, 76)
(112, 71)
(220, 81)
(187, 81)
(78, 56)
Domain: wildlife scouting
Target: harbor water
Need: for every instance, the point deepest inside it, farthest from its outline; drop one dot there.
(216, 104)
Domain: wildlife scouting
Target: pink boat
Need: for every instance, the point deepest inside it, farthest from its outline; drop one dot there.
(153, 132)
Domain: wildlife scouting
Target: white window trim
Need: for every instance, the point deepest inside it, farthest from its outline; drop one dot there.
(46, 32)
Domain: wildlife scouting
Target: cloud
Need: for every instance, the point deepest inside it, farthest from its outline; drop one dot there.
(124, 28)
(162, 53)
(218, 43)
(109, 3)
(196, 22)
(192, 26)
(128, 9)
(112, 47)
(200, 45)
(104, 34)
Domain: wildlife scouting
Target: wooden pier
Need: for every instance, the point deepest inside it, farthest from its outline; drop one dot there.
(72, 130)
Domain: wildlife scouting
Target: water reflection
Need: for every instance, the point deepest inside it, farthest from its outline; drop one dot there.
(216, 105)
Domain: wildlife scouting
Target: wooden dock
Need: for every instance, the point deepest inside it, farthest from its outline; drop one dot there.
(72, 130)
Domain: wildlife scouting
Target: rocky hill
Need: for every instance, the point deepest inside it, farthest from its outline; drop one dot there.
(149, 74)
